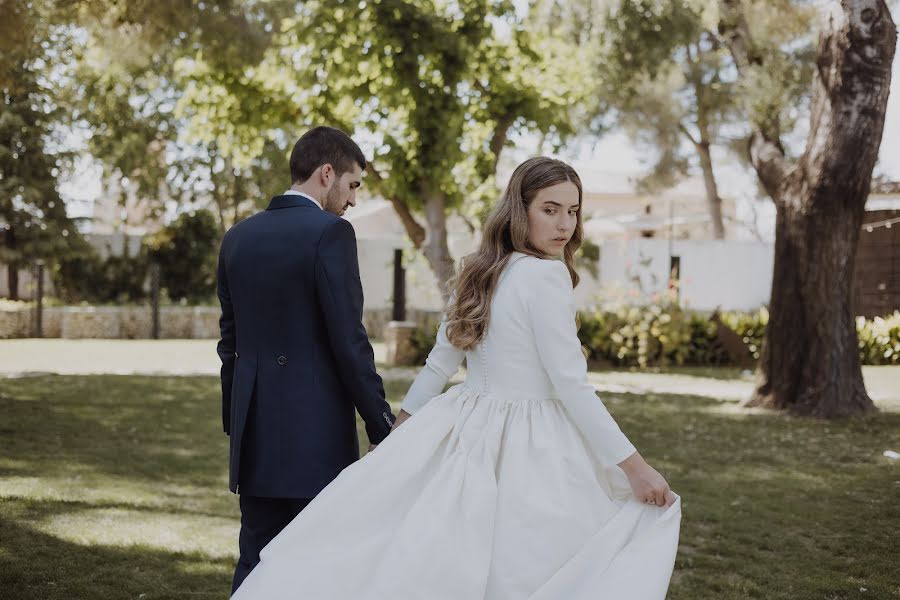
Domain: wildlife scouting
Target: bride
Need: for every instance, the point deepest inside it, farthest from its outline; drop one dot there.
(517, 483)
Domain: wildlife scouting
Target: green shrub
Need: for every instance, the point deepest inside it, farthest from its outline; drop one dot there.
(186, 251)
(750, 326)
(879, 340)
(422, 341)
(703, 345)
(661, 335)
(85, 276)
(637, 336)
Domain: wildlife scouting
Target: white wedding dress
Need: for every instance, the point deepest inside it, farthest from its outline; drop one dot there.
(503, 488)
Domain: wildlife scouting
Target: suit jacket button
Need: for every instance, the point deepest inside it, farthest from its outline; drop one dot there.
(282, 360)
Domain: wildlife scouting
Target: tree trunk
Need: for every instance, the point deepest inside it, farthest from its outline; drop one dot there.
(435, 246)
(713, 201)
(414, 230)
(12, 269)
(810, 358)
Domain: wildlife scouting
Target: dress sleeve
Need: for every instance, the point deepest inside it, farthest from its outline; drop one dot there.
(551, 307)
(442, 363)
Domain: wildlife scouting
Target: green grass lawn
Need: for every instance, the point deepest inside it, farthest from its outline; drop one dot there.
(116, 487)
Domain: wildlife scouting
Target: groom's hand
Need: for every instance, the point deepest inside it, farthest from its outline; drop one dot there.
(400, 418)
(372, 447)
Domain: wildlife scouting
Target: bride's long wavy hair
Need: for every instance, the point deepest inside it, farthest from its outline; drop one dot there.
(505, 231)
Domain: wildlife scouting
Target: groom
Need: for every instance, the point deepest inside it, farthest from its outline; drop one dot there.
(296, 359)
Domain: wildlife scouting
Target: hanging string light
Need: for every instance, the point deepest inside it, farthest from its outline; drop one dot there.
(870, 227)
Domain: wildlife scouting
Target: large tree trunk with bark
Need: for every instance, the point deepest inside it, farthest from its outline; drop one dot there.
(810, 360)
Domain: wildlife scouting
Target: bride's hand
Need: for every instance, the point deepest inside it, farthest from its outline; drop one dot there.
(646, 482)
(401, 416)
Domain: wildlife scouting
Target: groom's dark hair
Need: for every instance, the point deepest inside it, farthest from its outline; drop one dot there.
(324, 145)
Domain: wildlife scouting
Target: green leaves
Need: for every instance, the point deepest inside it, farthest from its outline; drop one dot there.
(641, 37)
(432, 86)
(186, 253)
(33, 220)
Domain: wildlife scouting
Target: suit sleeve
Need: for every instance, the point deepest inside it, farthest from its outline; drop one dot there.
(551, 306)
(442, 363)
(341, 299)
(228, 342)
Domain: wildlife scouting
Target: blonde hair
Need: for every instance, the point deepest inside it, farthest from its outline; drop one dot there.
(505, 231)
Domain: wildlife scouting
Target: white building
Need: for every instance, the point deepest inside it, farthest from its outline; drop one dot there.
(636, 253)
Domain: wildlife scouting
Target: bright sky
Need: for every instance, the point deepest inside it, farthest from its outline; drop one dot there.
(889, 155)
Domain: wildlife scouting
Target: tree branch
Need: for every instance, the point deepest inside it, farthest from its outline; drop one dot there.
(687, 133)
(471, 226)
(766, 153)
(735, 32)
(414, 229)
(498, 140)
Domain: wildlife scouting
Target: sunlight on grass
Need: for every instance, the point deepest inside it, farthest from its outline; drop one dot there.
(742, 474)
(734, 410)
(108, 490)
(116, 487)
(209, 536)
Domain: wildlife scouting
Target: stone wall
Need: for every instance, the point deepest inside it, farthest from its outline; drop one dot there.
(80, 322)
(14, 323)
(136, 322)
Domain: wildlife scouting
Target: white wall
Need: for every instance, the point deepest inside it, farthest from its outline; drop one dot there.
(376, 245)
(27, 283)
(730, 274)
(376, 270)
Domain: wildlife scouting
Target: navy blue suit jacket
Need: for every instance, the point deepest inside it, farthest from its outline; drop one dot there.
(296, 359)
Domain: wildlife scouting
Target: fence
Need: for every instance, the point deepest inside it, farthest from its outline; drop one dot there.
(876, 279)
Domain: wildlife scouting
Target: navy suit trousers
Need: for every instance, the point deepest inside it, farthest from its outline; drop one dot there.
(261, 520)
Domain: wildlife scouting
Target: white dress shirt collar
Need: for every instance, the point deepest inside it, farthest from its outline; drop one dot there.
(307, 196)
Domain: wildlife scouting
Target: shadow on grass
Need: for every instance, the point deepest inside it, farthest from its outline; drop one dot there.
(153, 429)
(775, 507)
(38, 566)
(113, 487)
